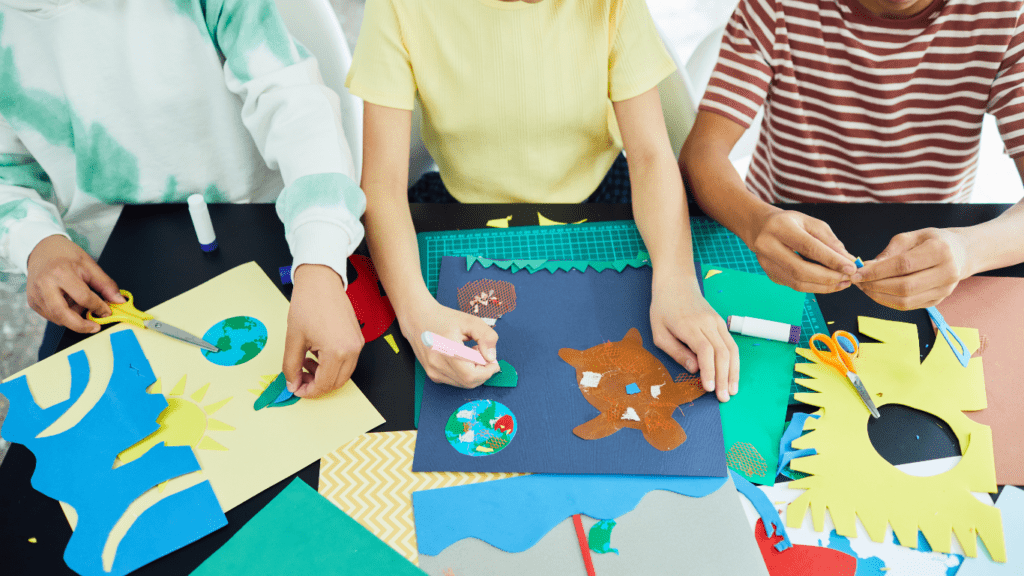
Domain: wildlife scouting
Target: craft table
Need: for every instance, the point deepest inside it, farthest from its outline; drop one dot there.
(153, 253)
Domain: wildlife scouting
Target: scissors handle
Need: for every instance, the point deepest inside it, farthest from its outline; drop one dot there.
(834, 355)
(126, 312)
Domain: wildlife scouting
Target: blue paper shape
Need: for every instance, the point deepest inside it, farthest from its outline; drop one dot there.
(793, 431)
(1011, 506)
(515, 513)
(765, 509)
(554, 310)
(632, 389)
(76, 466)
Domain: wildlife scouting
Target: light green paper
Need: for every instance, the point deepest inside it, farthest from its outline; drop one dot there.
(753, 421)
(301, 532)
(531, 266)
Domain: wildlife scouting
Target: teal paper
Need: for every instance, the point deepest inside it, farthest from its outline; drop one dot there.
(754, 419)
(301, 532)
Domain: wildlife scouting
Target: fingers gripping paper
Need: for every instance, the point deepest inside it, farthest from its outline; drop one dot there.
(241, 450)
(850, 479)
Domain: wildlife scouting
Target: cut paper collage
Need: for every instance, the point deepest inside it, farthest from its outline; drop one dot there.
(191, 434)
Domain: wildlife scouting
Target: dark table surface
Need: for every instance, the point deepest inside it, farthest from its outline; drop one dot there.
(153, 252)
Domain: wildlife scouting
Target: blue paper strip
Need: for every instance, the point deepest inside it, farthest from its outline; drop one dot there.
(76, 466)
(514, 514)
(765, 509)
(793, 431)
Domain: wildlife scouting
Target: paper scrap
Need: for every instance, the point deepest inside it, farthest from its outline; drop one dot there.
(847, 475)
(390, 338)
(278, 540)
(1011, 504)
(600, 537)
(627, 362)
(371, 479)
(995, 306)
(711, 273)
(122, 521)
(372, 307)
(499, 222)
(544, 221)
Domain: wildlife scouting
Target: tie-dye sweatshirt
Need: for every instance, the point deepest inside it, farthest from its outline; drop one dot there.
(112, 102)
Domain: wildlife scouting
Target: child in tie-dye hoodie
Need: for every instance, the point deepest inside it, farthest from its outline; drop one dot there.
(112, 102)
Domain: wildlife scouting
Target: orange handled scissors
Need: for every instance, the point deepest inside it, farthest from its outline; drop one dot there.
(127, 312)
(840, 350)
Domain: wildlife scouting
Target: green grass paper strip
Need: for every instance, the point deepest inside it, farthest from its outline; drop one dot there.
(535, 265)
(301, 532)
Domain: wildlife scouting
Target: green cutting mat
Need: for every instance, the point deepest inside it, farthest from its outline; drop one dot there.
(713, 245)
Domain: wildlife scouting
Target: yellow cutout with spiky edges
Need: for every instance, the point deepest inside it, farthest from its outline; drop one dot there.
(265, 381)
(499, 222)
(850, 479)
(184, 422)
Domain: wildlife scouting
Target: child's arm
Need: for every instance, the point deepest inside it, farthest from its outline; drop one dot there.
(63, 281)
(681, 319)
(774, 234)
(919, 269)
(392, 242)
(295, 122)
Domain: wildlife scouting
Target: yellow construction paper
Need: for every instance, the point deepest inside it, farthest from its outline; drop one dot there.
(241, 451)
(499, 222)
(712, 273)
(848, 477)
(371, 480)
(544, 221)
(391, 341)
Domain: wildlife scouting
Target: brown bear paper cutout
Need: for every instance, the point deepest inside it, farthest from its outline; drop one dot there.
(604, 374)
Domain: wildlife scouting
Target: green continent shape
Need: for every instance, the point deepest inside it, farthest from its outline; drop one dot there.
(224, 343)
(239, 323)
(272, 392)
(485, 417)
(454, 426)
(600, 537)
(506, 378)
(251, 349)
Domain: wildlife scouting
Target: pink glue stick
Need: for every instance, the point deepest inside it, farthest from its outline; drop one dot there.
(452, 348)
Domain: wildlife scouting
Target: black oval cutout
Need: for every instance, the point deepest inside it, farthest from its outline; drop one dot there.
(903, 434)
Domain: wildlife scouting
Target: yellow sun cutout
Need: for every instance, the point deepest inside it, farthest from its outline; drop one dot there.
(850, 479)
(184, 422)
(264, 382)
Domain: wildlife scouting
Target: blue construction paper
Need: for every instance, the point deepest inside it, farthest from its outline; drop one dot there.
(564, 309)
(1011, 506)
(765, 509)
(794, 430)
(515, 513)
(75, 466)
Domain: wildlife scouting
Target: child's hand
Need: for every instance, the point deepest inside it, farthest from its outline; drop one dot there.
(694, 335)
(457, 326)
(916, 270)
(802, 252)
(64, 282)
(320, 320)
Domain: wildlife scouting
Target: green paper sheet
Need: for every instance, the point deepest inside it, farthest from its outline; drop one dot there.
(753, 421)
(301, 532)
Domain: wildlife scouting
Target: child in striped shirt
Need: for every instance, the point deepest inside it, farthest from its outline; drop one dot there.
(865, 101)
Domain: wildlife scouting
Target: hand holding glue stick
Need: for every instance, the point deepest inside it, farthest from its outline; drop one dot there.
(450, 365)
(766, 329)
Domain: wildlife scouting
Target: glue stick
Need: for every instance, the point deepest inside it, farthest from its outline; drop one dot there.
(201, 220)
(766, 329)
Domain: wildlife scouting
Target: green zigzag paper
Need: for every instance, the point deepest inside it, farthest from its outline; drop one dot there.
(531, 266)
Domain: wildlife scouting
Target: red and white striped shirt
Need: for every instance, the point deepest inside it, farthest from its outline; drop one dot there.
(860, 108)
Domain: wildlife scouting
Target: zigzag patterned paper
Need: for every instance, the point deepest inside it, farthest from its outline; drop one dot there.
(371, 480)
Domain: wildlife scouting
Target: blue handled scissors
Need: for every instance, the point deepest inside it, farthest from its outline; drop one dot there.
(840, 350)
(955, 343)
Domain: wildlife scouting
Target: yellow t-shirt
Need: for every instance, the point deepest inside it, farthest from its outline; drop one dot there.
(516, 97)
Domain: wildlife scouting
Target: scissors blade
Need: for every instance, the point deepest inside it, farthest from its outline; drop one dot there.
(863, 392)
(180, 334)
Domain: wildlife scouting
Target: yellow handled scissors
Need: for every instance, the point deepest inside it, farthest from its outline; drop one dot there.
(840, 350)
(127, 312)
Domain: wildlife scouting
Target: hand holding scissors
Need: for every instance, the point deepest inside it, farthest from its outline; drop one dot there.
(840, 350)
(127, 312)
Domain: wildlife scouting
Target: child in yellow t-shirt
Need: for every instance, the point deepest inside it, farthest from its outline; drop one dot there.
(526, 102)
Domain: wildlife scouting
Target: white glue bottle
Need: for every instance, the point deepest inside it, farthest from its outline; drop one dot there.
(201, 220)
